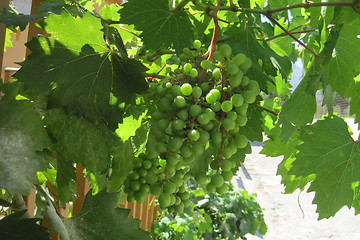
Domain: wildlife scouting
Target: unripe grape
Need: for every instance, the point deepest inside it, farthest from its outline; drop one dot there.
(188, 159)
(253, 86)
(226, 165)
(242, 109)
(130, 199)
(228, 152)
(239, 59)
(210, 112)
(193, 73)
(216, 137)
(225, 50)
(145, 188)
(197, 44)
(232, 68)
(161, 147)
(232, 115)
(179, 101)
(237, 100)
(186, 203)
(210, 98)
(134, 175)
(222, 189)
(185, 151)
(203, 119)
(249, 96)
(194, 135)
(205, 87)
(245, 81)
(227, 175)
(195, 110)
(197, 148)
(216, 106)
(206, 64)
(211, 187)
(217, 179)
(200, 177)
(187, 51)
(236, 79)
(241, 141)
(168, 85)
(163, 104)
(214, 165)
(135, 185)
(164, 200)
(155, 189)
(241, 120)
(172, 160)
(216, 93)
(178, 124)
(175, 144)
(175, 90)
(204, 136)
(209, 126)
(217, 73)
(169, 187)
(183, 57)
(147, 164)
(179, 208)
(151, 178)
(186, 89)
(226, 106)
(246, 65)
(228, 124)
(217, 56)
(197, 91)
(183, 114)
(184, 195)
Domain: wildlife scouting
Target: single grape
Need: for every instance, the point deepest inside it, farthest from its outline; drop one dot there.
(134, 175)
(197, 148)
(186, 89)
(209, 126)
(210, 98)
(206, 64)
(135, 186)
(184, 195)
(237, 100)
(228, 152)
(228, 124)
(185, 151)
(241, 120)
(155, 189)
(246, 65)
(200, 177)
(216, 106)
(168, 85)
(172, 160)
(179, 208)
(211, 187)
(217, 73)
(225, 50)
(239, 59)
(183, 57)
(232, 115)
(197, 91)
(245, 81)
(232, 68)
(203, 118)
(226, 106)
(187, 51)
(242, 109)
(175, 90)
(217, 179)
(183, 114)
(205, 87)
(197, 44)
(216, 137)
(241, 141)
(236, 79)
(147, 164)
(216, 93)
(222, 189)
(169, 187)
(179, 101)
(163, 104)
(195, 110)
(249, 96)
(194, 135)
(226, 165)
(161, 147)
(217, 56)
(204, 136)
(210, 112)
(193, 73)
(164, 200)
(227, 175)
(253, 86)
(178, 124)
(174, 144)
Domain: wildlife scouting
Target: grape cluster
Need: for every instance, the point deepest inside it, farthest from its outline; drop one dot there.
(191, 118)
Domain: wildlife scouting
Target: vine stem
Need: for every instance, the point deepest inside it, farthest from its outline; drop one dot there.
(180, 6)
(268, 110)
(290, 34)
(212, 47)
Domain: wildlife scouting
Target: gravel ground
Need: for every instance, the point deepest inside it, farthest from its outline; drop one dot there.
(291, 216)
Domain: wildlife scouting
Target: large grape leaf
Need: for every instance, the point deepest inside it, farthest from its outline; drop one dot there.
(160, 26)
(12, 19)
(98, 219)
(345, 64)
(329, 152)
(79, 69)
(253, 129)
(14, 227)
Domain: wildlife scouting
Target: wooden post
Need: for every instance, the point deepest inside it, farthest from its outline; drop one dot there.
(3, 4)
(82, 189)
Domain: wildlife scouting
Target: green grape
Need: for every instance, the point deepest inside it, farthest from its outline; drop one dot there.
(209, 126)
(168, 85)
(187, 51)
(217, 180)
(169, 187)
(197, 44)
(178, 181)
(216, 93)
(241, 120)
(210, 112)
(160, 90)
(211, 187)
(174, 144)
(138, 162)
(246, 65)
(178, 200)
(200, 177)
(130, 199)
(228, 152)
(172, 160)
(188, 159)
(151, 178)
(197, 91)
(206, 64)
(183, 57)
(217, 73)
(193, 73)
(179, 101)
(216, 137)
(195, 110)
(205, 87)
(239, 59)
(155, 189)
(216, 106)
(161, 147)
(194, 135)
(228, 124)
(186, 203)
(164, 200)
(157, 115)
(236, 79)
(242, 109)
(204, 136)
(227, 175)
(178, 124)
(145, 188)
(222, 189)
(226, 165)
(232, 115)
(135, 185)
(134, 175)
(253, 86)
(162, 124)
(147, 164)
(175, 90)
(237, 100)
(232, 68)
(197, 148)
(183, 114)
(179, 208)
(226, 106)
(225, 50)
(203, 118)
(249, 96)
(163, 104)
(217, 56)
(245, 81)
(184, 196)
(185, 151)
(210, 98)
(186, 89)
(241, 141)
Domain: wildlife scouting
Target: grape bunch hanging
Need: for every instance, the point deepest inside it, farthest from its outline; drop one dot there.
(193, 116)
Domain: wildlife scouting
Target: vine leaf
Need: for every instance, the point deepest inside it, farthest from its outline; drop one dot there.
(333, 156)
(78, 70)
(14, 227)
(159, 25)
(98, 219)
(252, 130)
(23, 137)
(12, 19)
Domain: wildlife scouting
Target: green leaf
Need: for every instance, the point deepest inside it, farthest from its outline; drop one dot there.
(159, 25)
(253, 128)
(333, 156)
(122, 165)
(79, 140)
(98, 219)
(131, 122)
(14, 227)
(355, 102)
(12, 19)
(345, 65)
